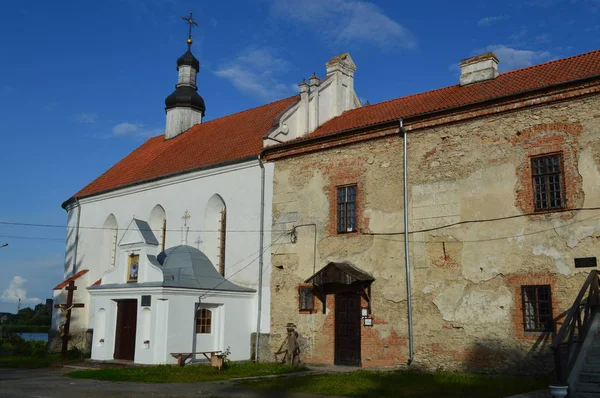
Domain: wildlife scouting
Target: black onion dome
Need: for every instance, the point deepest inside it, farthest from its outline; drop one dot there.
(185, 96)
(188, 59)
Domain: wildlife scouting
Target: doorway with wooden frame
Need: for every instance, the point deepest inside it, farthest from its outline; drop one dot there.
(126, 330)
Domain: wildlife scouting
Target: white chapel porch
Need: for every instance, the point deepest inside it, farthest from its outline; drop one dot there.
(150, 306)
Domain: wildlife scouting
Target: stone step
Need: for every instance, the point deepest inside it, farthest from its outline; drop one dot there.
(588, 387)
(593, 351)
(590, 368)
(588, 395)
(592, 360)
(585, 377)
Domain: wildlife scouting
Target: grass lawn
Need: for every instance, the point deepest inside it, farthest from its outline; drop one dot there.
(401, 384)
(187, 374)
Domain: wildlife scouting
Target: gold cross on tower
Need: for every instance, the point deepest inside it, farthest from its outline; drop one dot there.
(190, 20)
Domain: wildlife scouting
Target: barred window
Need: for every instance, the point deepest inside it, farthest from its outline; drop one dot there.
(306, 298)
(346, 209)
(547, 177)
(537, 308)
(203, 321)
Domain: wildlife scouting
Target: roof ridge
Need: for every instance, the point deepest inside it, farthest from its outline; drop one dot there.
(232, 114)
(455, 85)
(250, 109)
(554, 61)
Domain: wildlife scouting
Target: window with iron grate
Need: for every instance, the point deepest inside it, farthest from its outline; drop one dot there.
(346, 209)
(306, 298)
(537, 308)
(546, 172)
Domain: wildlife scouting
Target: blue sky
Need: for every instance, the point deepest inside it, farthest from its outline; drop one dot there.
(83, 82)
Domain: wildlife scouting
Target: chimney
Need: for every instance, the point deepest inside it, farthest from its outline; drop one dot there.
(341, 70)
(304, 99)
(478, 68)
(313, 113)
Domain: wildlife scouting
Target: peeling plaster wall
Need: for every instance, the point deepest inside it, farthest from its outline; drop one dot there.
(466, 278)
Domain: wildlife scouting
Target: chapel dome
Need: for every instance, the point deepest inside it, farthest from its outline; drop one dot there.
(188, 59)
(187, 267)
(185, 96)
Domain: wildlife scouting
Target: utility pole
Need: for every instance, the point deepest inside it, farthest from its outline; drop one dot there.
(19, 305)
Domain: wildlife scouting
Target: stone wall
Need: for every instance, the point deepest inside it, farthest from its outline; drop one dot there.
(466, 279)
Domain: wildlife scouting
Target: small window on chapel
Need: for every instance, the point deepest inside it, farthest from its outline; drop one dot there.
(537, 308)
(204, 321)
(346, 209)
(546, 172)
(306, 298)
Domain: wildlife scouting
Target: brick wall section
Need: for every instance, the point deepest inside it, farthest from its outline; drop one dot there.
(546, 139)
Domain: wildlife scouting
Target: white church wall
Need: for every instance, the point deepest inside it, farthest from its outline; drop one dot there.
(238, 185)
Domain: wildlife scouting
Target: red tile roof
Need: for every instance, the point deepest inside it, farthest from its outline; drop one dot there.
(66, 281)
(97, 283)
(514, 82)
(225, 139)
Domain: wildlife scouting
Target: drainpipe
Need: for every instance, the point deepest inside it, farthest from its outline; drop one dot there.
(260, 255)
(76, 235)
(406, 255)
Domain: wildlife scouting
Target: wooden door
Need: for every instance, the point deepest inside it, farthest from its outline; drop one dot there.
(347, 329)
(125, 331)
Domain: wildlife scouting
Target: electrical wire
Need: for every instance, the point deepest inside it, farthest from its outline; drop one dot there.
(241, 269)
(21, 224)
(32, 238)
(478, 221)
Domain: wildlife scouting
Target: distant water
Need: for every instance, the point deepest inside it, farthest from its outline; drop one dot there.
(34, 336)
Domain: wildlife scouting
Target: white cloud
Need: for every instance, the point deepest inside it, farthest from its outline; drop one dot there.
(16, 291)
(346, 21)
(255, 73)
(85, 117)
(127, 129)
(487, 21)
(512, 58)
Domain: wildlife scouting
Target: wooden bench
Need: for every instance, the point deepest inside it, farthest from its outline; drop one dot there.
(214, 358)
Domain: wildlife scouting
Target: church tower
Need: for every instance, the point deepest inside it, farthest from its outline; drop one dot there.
(185, 107)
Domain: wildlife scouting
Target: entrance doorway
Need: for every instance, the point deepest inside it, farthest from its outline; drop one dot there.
(347, 329)
(125, 331)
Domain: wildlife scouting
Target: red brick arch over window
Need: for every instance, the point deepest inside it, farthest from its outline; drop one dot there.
(546, 139)
(340, 173)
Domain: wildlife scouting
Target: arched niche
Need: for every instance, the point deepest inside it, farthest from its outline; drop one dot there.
(158, 223)
(110, 229)
(146, 323)
(215, 235)
(100, 326)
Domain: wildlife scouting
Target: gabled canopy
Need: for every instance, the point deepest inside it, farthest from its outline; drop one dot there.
(342, 273)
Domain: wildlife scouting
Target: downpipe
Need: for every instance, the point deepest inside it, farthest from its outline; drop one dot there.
(260, 256)
(406, 253)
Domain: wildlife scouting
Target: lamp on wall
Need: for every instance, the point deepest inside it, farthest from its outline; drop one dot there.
(364, 312)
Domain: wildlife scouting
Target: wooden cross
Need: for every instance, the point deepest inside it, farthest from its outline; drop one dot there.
(191, 23)
(66, 310)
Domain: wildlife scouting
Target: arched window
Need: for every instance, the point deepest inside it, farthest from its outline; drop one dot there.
(109, 240)
(158, 223)
(216, 220)
(203, 321)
